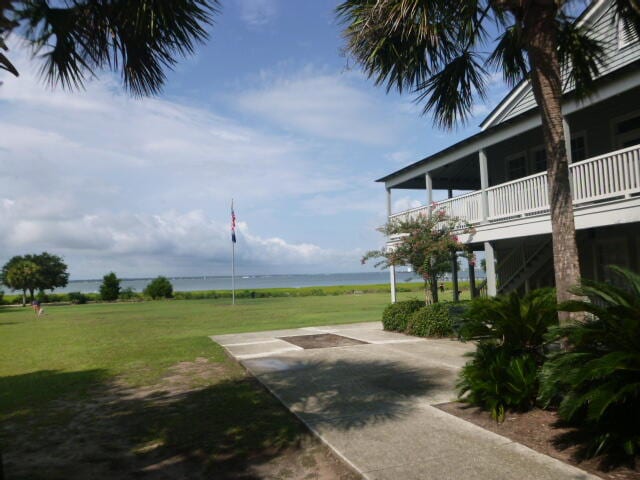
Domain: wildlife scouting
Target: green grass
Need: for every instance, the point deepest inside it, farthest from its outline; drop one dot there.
(70, 355)
(79, 345)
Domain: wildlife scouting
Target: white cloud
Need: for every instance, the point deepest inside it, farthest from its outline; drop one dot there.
(257, 13)
(405, 203)
(331, 106)
(142, 186)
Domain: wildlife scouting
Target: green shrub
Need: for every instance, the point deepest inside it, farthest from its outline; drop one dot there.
(502, 372)
(77, 298)
(395, 316)
(518, 324)
(110, 287)
(597, 378)
(159, 287)
(497, 380)
(431, 321)
(128, 293)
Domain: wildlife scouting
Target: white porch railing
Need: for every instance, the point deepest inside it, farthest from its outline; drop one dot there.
(466, 207)
(606, 177)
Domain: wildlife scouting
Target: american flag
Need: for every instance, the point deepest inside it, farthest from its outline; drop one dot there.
(233, 224)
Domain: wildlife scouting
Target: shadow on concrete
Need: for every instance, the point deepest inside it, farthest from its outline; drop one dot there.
(349, 394)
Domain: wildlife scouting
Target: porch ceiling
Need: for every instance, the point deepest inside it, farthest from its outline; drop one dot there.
(463, 174)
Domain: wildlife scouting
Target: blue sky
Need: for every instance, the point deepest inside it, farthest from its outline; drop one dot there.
(268, 112)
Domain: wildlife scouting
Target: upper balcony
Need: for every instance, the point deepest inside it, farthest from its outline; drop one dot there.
(606, 190)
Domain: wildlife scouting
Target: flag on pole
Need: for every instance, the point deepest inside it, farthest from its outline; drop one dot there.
(233, 224)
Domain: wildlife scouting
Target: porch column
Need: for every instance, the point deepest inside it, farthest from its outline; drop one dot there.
(472, 276)
(454, 275)
(489, 257)
(454, 263)
(429, 187)
(392, 268)
(484, 184)
(567, 138)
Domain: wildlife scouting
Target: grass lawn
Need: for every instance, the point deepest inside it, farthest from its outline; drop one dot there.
(103, 390)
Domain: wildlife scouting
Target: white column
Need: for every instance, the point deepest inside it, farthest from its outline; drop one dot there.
(392, 269)
(484, 183)
(429, 187)
(392, 281)
(490, 259)
(567, 138)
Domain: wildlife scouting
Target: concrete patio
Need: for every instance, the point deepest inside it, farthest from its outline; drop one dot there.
(372, 403)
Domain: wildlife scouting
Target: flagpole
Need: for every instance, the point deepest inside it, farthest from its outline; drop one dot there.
(233, 256)
(233, 273)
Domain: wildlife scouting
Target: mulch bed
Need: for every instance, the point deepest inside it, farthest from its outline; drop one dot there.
(542, 431)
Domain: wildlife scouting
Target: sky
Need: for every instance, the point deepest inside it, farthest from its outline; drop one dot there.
(268, 112)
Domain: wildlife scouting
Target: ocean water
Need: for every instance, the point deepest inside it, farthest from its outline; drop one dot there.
(248, 282)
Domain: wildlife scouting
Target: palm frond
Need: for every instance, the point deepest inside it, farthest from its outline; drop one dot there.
(581, 55)
(449, 94)
(509, 56)
(141, 39)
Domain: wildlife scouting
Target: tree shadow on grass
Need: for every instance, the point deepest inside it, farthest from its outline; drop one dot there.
(20, 394)
(229, 428)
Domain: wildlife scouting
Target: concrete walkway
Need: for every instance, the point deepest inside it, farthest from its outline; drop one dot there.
(373, 404)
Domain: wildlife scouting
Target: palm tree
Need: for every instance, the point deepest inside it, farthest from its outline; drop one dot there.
(436, 49)
(74, 39)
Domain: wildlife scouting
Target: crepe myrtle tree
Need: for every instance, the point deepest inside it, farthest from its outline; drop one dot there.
(74, 39)
(438, 50)
(426, 242)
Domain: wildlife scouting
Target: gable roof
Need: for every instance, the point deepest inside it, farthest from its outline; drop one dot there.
(601, 20)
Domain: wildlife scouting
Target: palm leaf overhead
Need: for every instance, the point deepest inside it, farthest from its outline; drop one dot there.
(440, 53)
(140, 39)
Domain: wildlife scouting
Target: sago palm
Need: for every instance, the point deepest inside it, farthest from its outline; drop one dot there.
(74, 39)
(597, 379)
(437, 49)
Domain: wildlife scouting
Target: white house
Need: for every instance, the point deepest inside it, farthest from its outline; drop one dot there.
(503, 169)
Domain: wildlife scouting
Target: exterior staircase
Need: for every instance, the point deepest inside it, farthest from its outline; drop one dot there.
(521, 264)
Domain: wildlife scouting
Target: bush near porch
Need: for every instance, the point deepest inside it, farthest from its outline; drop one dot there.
(593, 383)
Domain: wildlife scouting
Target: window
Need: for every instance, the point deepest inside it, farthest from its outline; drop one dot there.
(516, 166)
(540, 159)
(578, 148)
(626, 131)
(626, 33)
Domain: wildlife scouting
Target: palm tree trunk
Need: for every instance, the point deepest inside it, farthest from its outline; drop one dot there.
(540, 35)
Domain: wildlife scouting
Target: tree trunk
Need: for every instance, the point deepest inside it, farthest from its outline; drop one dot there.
(540, 35)
(24, 298)
(434, 289)
(472, 279)
(31, 290)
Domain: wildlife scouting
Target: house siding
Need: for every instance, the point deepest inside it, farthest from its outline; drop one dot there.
(603, 29)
